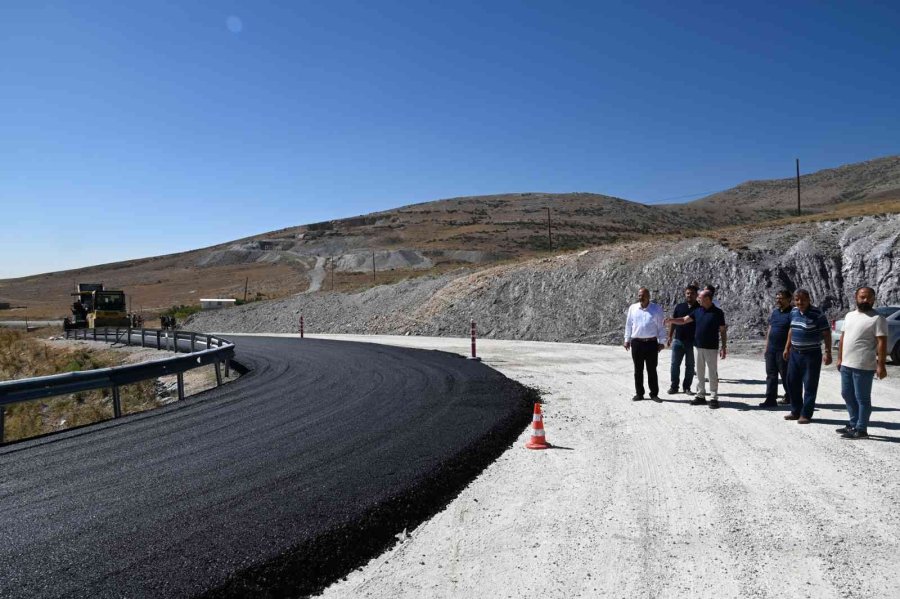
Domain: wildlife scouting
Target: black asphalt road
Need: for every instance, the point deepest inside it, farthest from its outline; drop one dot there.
(273, 485)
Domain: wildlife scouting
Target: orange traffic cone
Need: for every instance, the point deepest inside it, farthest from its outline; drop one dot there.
(538, 440)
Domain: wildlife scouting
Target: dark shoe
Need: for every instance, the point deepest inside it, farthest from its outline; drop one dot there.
(804, 420)
(672, 391)
(714, 404)
(792, 416)
(856, 434)
(637, 398)
(687, 390)
(769, 404)
(698, 400)
(784, 401)
(844, 429)
(656, 398)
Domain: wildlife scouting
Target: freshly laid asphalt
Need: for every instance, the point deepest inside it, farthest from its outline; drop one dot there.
(273, 485)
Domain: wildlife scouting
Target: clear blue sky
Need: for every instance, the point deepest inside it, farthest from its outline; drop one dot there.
(241, 117)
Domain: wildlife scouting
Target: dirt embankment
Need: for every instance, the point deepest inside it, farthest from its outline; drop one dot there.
(582, 297)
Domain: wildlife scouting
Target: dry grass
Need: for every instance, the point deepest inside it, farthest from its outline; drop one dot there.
(25, 355)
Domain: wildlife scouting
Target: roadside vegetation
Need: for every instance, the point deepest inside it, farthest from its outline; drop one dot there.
(24, 355)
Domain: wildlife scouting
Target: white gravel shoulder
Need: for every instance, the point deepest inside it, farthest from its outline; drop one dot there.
(658, 500)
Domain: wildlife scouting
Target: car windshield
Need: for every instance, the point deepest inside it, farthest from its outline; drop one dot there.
(886, 310)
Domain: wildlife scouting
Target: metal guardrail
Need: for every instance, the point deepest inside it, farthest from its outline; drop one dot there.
(218, 351)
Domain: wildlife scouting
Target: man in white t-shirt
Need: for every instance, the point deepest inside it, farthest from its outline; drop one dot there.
(861, 355)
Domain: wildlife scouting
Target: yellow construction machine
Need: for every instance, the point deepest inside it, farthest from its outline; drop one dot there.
(95, 306)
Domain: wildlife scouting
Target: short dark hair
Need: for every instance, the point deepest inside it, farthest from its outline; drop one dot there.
(869, 289)
(711, 289)
(691, 287)
(802, 291)
(784, 293)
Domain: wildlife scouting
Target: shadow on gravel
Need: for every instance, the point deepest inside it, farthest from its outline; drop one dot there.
(891, 426)
(744, 381)
(842, 407)
(309, 568)
(744, 395)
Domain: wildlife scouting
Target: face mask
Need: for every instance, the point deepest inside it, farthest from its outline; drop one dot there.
(864, 307)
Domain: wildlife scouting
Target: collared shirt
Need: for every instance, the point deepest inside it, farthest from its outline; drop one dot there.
(642, 323)
(709, 324)
(780, 323)
(684, 332)
(807, 328)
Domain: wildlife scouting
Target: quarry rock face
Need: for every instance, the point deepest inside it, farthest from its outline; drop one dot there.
(583, 297)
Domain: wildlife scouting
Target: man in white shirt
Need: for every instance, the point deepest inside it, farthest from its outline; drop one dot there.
(645, 336)
(861, 356)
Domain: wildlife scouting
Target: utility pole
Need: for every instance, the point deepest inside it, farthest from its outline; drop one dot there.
(373, 269)
(549, 234)
(26, 319)
(798, 187)
(246, 284)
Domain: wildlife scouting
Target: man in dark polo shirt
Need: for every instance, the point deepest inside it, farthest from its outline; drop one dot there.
(803, 350)
(710, 326)
(683, 347)
(776, 339)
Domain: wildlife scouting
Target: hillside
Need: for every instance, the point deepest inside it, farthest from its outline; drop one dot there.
(437, 237)
(583, 296)
(858, 182)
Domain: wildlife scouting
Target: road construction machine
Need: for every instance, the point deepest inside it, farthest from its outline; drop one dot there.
(95, 307)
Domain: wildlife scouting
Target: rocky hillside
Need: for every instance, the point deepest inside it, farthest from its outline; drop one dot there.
(582, 297)
(436, 237)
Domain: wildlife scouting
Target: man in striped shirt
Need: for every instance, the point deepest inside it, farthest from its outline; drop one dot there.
(803, 353)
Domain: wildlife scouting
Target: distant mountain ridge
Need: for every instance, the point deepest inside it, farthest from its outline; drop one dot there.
(433, 237)
(848, 183)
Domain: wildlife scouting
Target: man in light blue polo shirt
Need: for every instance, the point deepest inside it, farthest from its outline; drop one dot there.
(803, 353)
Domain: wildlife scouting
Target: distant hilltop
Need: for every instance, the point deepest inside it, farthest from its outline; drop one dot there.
(432, 238)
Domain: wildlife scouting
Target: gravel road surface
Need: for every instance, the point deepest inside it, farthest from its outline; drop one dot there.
(659, 500)
(273, 485)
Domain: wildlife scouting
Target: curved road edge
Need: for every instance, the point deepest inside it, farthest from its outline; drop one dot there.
(311, 567)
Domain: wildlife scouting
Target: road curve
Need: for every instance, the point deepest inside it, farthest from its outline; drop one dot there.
(273, 485)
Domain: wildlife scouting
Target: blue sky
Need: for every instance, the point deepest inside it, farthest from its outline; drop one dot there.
(225, 119)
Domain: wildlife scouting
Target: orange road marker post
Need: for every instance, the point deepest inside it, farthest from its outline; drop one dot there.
(538, 438)
(474, 356)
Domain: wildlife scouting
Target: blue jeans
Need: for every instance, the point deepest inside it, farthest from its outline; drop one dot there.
(682, 351)
(803, 380)
(856, 389)
(775, 366)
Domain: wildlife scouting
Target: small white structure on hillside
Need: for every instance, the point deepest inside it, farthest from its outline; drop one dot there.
(215, 304)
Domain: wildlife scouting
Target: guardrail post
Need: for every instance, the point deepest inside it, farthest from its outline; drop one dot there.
(193, 341)
(158, 344)
(95, 333)
(2, 423)
(143, 332)
(129, 336)
(227, 368)
(117, 403)
(208, 341)
(218, 374)
(180, 386)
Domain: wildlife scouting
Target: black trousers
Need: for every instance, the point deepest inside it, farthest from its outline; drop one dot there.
(776, 366)
(644, 352)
